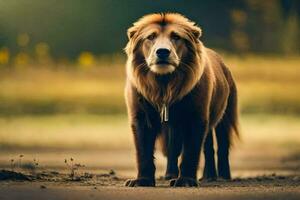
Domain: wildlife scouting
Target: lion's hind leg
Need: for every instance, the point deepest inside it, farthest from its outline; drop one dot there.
(209, 172)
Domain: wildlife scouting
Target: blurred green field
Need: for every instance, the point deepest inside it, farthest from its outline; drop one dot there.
(64, 132)
(265, 84)
(111, 132)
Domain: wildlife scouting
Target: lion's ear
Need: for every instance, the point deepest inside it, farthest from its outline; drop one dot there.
(131, 32)
(197, 32)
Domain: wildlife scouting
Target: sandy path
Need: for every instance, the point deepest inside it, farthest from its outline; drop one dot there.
(34, 191)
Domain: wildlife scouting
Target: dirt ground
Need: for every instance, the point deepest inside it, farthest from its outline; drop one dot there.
(58, 192)
(109, 186)
(275, 175)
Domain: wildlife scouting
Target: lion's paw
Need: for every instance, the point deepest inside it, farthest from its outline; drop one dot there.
(140, 182)
(184, 182)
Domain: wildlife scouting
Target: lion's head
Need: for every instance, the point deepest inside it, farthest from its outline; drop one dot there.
(164, 56)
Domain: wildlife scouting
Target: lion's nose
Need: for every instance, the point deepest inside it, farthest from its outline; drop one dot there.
(163, 53)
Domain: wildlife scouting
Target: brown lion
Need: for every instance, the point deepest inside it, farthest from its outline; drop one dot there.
(180, 92)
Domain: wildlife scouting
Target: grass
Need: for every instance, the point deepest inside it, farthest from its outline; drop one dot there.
(65, 131)
(267, 84)
(86, 131)
(45, 91)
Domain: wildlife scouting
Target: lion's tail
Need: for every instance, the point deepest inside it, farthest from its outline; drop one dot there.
(228, 127)
(232, 114)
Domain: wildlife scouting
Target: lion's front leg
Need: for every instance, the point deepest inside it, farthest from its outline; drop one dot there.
(144, 138)
(174, 148)
(192, 142)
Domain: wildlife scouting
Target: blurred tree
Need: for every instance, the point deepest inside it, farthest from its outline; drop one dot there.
(264, 25)
(99, 26)
(239, 37)
(291, 26)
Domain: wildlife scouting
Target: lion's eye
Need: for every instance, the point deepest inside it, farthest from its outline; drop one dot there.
(175, 37)
(152, 36)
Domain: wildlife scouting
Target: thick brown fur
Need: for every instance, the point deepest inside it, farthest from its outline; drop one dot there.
(200, 94)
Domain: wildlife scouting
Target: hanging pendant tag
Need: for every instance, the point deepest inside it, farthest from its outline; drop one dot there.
(164, 113)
